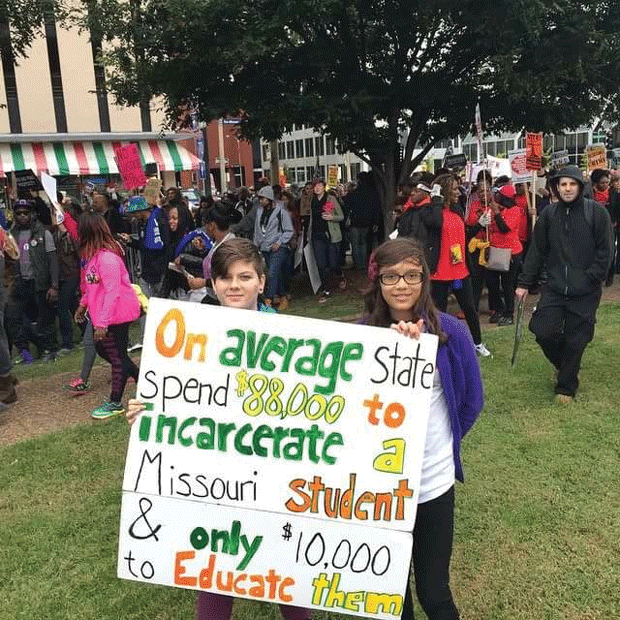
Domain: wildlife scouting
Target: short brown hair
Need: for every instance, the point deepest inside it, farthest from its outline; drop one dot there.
(235, 250)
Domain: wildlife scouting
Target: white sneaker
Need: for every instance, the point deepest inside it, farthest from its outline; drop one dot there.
(482, 351)
(134, 347)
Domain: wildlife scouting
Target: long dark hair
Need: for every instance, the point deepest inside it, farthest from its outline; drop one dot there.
(445, 181)
(391, 253)
(95, 235)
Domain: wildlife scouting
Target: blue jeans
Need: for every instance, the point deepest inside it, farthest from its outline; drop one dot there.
(327, 256)
(276, 262)
(359, 246)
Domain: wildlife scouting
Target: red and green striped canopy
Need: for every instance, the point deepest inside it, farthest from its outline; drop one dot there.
(89, 158)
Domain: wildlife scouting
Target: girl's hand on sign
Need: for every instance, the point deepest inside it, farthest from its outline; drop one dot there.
(409, 329)
(134, 409)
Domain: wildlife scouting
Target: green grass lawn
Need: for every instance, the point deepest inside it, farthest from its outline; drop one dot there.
(537, 523)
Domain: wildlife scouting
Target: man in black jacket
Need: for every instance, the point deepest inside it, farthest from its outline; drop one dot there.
(36, 285)
(573, 241)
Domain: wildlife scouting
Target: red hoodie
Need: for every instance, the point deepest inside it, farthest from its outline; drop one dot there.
(521, 201)
(510, 239)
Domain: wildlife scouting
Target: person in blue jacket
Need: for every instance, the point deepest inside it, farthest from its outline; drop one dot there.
(400, 299)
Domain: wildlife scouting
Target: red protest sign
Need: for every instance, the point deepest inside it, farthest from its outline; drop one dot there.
(533, 151)
(130, 166)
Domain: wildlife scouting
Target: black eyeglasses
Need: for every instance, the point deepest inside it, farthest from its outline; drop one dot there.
(411, 277)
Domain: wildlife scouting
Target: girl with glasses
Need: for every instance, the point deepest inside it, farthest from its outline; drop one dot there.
(400, 299)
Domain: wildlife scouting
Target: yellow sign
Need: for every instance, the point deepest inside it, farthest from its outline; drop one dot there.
(332, 175)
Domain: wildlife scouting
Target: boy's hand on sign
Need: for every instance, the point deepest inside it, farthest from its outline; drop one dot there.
(521, 293)
(134, 409)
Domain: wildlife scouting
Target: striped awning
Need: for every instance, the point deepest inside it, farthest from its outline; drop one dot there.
(90, 158)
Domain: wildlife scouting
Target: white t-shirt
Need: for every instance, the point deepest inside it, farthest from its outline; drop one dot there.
(438, 462)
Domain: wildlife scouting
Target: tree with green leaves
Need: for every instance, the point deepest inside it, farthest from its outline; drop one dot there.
(386, 78)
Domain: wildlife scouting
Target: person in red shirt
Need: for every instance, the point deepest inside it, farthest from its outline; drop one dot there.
(601, 192)
(504, 231)
(600, 186)
(451, 273)
(477, 226)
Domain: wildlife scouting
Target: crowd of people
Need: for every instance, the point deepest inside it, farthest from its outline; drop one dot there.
(475, 237)
(95, 268)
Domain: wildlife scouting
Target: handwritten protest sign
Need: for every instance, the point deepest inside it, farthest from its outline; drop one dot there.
(332, 175)
(559, 159)
(130, 166)
(519, 172)
(27, 179)
(455, 162)
(533, 150)
(152, 190)
(597, 157)
(280, 459)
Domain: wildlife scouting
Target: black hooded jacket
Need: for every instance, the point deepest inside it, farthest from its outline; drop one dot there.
(573, 241)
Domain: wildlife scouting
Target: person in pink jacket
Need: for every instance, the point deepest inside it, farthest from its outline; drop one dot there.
(111, 303)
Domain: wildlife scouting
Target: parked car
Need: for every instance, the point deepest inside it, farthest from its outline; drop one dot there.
(192, 197)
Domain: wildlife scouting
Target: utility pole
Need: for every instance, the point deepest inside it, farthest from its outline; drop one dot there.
(222, 157)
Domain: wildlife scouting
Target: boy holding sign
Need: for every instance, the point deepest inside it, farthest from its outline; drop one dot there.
(238, 276)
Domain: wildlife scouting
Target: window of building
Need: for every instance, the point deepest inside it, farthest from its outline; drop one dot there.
(559, 142)
(355, 170)
(582, 139)
(290, 150)
(299, 149)
(491, 148)
(309, 172)
(266, 152)
(309, 147)
(281, 150)
(290, 175)
(598, 138)
(571, 141)
(330, 146)
(301, 175)
(548, 142)
(522, 142)
(322, 172)
(319, 144)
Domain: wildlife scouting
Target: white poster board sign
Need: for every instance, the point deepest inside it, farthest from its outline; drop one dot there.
(279, 459)
(313, 269)
(518, 166)
(50, 187)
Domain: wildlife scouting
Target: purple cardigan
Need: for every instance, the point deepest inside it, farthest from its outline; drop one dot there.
(461, 380)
